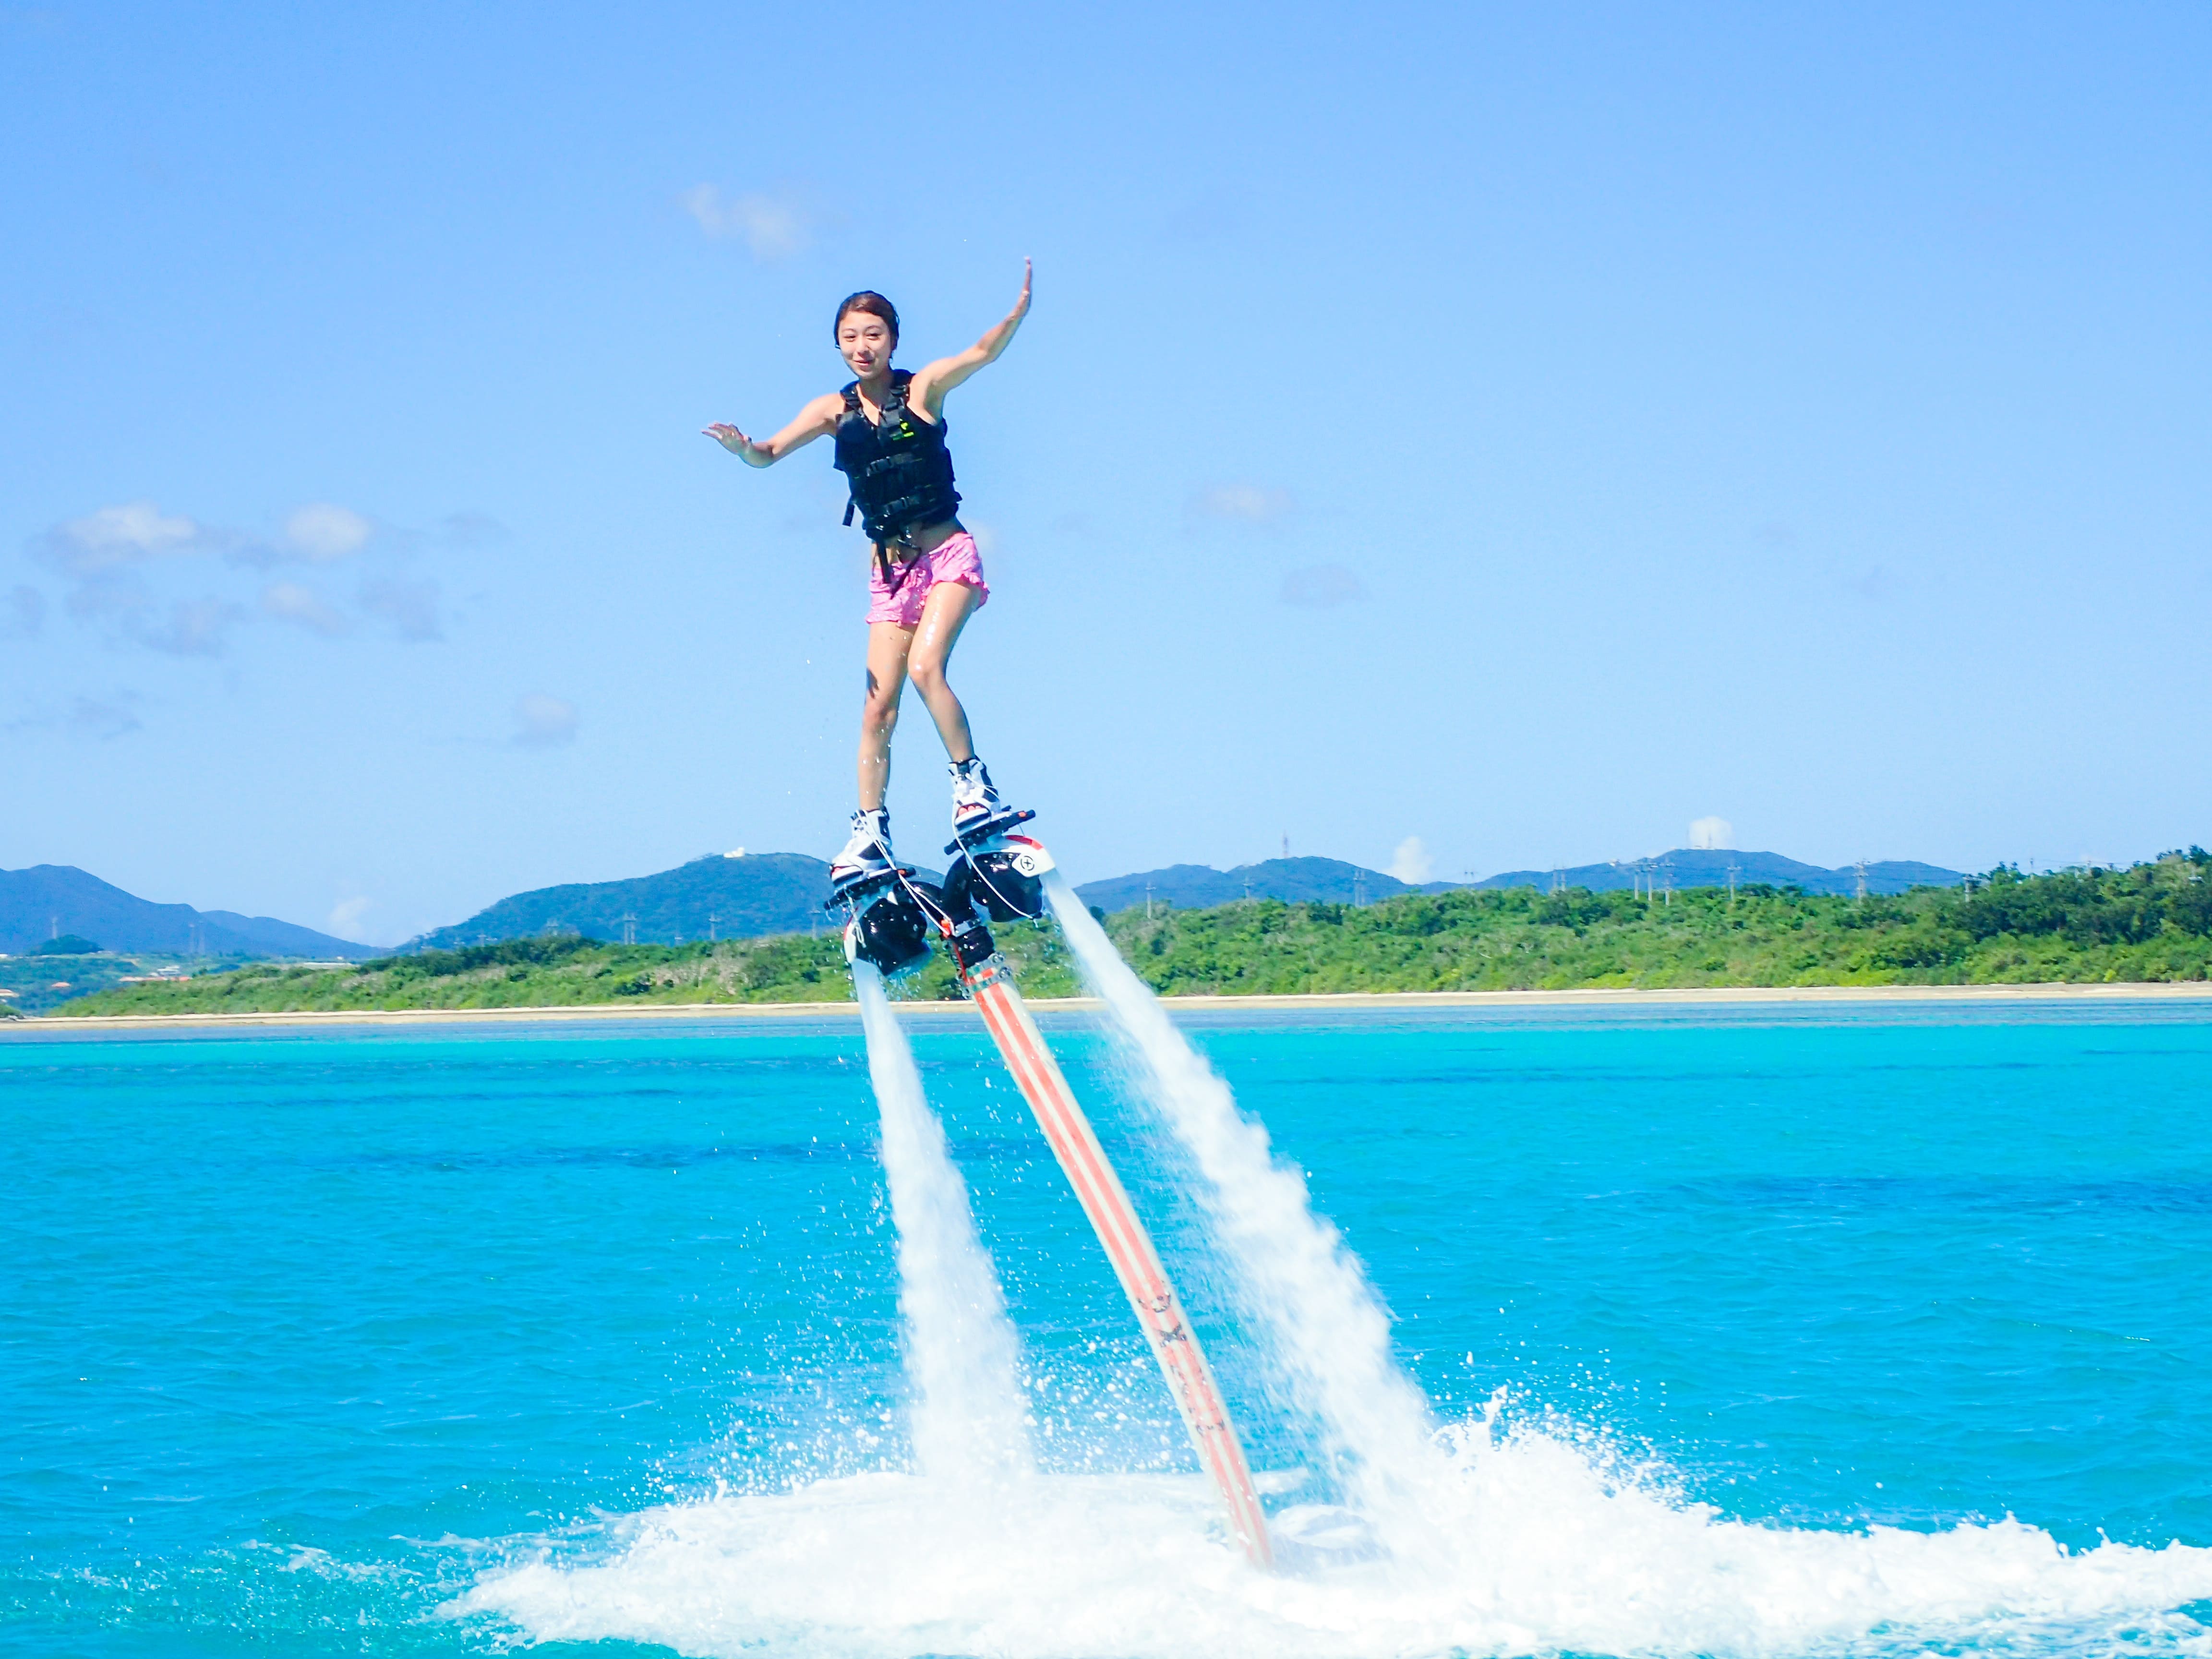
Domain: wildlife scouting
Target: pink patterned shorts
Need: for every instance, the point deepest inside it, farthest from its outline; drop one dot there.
(952, 560)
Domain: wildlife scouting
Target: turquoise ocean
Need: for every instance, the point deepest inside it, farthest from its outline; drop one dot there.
(1865, 1327)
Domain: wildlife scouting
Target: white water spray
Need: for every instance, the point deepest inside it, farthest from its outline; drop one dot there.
(969, 1421)
(1326, 1327)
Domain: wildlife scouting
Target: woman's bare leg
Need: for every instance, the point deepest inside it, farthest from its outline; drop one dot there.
(944, 614)
(888, 644)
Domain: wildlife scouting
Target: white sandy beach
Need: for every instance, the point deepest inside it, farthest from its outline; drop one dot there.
(1349, 1001)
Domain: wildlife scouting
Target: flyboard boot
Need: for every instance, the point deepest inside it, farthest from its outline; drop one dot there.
(891, 917)
(866, 855)
(978, 815)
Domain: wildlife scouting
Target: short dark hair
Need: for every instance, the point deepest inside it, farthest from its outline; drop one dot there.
(874, 304)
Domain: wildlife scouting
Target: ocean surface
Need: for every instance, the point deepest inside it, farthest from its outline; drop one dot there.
(1844, 1327)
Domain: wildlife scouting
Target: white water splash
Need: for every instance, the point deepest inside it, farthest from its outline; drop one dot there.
(1540, 1550)
(1324, 1326)
(968, 1415)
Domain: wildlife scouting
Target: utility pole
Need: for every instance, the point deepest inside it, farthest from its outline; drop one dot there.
(1359, 889)
(712, 920)
(1286, 844)
(1734, 871)
(1148, 900)
(1247, 889)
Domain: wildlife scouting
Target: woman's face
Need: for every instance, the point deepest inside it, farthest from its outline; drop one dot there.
(864, 340)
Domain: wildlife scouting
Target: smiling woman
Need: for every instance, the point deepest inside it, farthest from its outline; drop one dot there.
(928, 578)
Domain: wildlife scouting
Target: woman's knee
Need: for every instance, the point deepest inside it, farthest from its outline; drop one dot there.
(878, 712)
(928, 675)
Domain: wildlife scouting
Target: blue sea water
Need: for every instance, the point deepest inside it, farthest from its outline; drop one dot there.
(307, 1335)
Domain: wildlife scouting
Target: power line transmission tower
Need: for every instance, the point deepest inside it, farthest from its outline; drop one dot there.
(713, 921)
(1860, 867)
(630, 929)
(1734, 871)
(1148, 900)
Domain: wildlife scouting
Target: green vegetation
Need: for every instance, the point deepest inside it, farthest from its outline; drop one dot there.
(37, 982)
(562, 972)
(2152, 922)
(67, 944)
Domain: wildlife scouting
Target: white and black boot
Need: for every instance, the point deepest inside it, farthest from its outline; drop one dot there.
(868, 853)
(977, 811)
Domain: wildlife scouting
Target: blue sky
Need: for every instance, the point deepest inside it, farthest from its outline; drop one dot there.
(1524, 429)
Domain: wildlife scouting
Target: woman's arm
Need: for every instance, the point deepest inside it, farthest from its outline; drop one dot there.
(932, 382)
(816, 420)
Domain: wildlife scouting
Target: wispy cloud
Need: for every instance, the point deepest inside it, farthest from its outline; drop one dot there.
(1710, 833)
(91, 718)
(1242, 503)
(24, 614)
(409, 609)
(544, 722)
(1322, 586)
(471, 530)
(113, 558)
(191, 628)
(116, 538)
(772, 226)
(104, 718)
(290, 602)
(322, 531)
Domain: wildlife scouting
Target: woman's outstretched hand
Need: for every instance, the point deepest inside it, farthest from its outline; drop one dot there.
(736, 442)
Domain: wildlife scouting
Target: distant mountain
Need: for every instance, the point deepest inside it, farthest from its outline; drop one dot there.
(1701, 867)
(1294, 881)
(36, 902)
(1195, 886)
(732, 897)
(755, 894)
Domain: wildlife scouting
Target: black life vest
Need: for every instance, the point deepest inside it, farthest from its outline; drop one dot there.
(898, 467)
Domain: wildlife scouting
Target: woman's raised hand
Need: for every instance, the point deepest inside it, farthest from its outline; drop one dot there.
(1022, 306)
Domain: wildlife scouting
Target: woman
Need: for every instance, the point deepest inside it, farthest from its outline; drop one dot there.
(928, 577)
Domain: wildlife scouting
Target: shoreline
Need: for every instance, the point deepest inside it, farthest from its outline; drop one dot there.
(1733, 996)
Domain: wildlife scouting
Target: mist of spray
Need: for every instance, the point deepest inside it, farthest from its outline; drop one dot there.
(1324, 1326)
(967, 1417)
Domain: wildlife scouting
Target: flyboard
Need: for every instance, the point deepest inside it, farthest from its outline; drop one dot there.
(997, 875)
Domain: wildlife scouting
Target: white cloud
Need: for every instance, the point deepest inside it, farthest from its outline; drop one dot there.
(1243, 502)
(322, 531)
(773, 227)
(1322, 585)
(409, 609)
(345, 916)
(114, 536)
(289, 602)
(1709, 833)
(543, 722)
(1411, 863)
